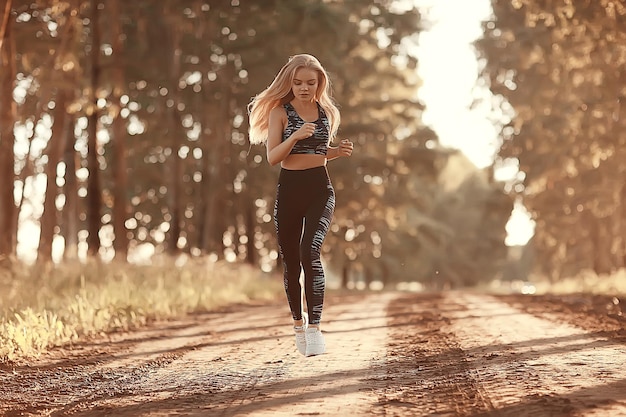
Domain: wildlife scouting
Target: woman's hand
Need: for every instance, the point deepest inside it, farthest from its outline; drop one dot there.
(305, 131)
(345, 148)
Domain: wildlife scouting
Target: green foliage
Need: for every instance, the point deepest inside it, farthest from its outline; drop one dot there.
(195, 185)
(561, 66)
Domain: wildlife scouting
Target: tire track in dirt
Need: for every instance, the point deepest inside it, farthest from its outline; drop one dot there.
(427, 373)
(537, 366)
(474, 355)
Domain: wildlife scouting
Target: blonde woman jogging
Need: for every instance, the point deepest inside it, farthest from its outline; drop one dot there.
(297, 119)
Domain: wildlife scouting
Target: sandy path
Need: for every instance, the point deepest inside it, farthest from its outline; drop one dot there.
(475, 355)
(229, 366)
(535, 364)
(389, 354)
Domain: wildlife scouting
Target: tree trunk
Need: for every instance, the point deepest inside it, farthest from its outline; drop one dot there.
(345, 276)
(384, 273)
(204, 195)
(94, 192)
(220, 194)
(614, 238)
(120, 207)
(49, 217)
(618, 252)
(8, 225)
(70, 210)
(211, 181)
(251, 252)
(208, 118)
(176, 186)
(623, 224)
(602, 245)
(368, 275)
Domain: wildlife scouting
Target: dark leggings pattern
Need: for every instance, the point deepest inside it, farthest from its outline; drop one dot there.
(304, 199)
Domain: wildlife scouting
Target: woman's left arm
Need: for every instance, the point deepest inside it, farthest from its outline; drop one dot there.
(344, 149)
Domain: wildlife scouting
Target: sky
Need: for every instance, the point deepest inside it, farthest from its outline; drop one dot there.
(449, 68)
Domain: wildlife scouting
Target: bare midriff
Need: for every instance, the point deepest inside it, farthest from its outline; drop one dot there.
(303, 161)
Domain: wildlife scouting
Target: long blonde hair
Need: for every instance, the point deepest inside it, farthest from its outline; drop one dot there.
(279, 92)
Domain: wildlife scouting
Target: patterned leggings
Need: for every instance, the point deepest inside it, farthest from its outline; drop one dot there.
(304, 200)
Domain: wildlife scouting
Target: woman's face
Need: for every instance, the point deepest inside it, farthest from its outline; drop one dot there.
(304, 85)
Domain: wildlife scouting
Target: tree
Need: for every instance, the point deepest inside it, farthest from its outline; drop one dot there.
(560, 66)
(120, 136)
(94, 189)
(163, 100)
(7, 121)
(56, 144)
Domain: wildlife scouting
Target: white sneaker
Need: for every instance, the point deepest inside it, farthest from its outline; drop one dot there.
(300, 339)
(301, 334)
(315, 343)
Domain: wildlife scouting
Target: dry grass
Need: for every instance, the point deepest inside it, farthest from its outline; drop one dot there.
(586, 282)
(50, 306)
(54, 305)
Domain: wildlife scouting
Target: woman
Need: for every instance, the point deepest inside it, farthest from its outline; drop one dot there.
(297, 119)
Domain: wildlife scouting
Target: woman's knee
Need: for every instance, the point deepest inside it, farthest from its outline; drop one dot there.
(310, 256)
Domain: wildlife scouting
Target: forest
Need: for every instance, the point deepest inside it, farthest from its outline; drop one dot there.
(139, 265)
(123, 136)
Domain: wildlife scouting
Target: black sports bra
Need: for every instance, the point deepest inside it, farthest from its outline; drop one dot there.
(317, 144)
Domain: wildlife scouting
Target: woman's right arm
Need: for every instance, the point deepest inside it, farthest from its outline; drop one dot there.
(277, 150)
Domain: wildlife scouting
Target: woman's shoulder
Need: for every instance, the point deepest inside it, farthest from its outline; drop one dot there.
(279, 113)
(279, 110)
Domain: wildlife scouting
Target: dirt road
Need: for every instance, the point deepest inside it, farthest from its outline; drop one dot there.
(389, 354)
